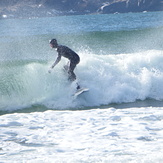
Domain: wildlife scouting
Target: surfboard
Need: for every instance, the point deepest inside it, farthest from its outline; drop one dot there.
(80, 91)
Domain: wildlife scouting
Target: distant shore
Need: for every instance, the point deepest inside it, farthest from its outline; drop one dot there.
(47, 8)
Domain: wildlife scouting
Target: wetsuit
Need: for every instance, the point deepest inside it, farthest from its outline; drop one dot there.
(73, 58)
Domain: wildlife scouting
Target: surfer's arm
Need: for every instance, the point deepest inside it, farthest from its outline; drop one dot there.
(56, 62)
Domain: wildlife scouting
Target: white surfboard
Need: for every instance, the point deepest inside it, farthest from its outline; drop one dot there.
(80, 91)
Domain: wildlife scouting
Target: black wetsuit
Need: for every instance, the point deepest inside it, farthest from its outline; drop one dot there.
(72, 56)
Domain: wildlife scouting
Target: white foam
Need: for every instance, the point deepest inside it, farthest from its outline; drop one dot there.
(110, 79)
(123, 78)
(98, 135)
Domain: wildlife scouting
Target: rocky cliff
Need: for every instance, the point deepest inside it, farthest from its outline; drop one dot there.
(39, 8)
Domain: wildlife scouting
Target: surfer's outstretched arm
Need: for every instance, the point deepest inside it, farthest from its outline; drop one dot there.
(55, 63)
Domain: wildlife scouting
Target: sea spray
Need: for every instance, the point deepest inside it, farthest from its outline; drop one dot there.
(110, 78)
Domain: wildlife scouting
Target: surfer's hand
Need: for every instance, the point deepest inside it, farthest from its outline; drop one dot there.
(49, 71)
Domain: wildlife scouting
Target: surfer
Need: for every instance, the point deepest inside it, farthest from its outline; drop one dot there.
(66, 52)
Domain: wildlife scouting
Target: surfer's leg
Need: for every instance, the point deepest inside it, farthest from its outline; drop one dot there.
(66, 67)
(71, 73)
(72, 76)
(78, 86)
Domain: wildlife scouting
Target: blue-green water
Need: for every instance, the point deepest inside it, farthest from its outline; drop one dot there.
(119, 120)
(121, 60)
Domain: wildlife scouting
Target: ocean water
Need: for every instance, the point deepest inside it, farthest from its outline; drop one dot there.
(118, 120)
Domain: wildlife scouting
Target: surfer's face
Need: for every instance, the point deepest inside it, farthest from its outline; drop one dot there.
(53, 45)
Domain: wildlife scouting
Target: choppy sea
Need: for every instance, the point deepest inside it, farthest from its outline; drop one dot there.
(118, 120)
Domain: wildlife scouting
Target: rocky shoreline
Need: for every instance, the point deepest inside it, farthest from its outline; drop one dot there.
(46, 8)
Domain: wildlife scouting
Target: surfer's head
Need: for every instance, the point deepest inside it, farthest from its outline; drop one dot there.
(53, 43)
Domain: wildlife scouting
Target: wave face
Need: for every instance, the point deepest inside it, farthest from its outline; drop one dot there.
(117, 65)
(110, 78)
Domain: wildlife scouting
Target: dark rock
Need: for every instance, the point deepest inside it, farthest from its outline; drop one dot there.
(132, 6)
(42, 8)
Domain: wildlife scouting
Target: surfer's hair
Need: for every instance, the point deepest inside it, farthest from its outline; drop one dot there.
(53, 41)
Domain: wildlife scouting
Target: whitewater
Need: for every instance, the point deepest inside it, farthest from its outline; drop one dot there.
(110, 78)
(118, 120)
